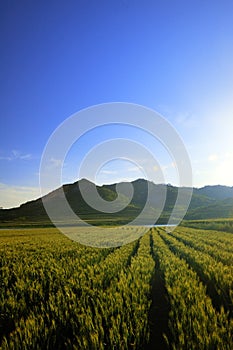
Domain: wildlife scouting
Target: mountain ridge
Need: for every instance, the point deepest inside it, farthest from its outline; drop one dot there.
(207, 202)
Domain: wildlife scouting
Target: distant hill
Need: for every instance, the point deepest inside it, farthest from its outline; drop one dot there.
(218, 209)
(217, 192)
(207, 202)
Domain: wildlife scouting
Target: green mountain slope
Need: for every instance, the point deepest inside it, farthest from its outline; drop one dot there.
(207, 202)
(217, 192)
(219, 209)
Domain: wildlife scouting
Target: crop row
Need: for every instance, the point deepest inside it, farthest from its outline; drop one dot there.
(221, 240)
(58, 301)
(193, 321)
(195, 242)
(217, 276)
(58, 294)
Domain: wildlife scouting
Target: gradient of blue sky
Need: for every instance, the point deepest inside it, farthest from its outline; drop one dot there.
(58, 57)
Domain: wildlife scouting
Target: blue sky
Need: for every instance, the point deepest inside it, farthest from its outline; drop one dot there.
(58, 57)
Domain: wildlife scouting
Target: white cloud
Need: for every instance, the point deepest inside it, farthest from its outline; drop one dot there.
(108, 172)
(186, 119)
(26, 156)
(5, 158)
(16, 155)
(56, 163)
(135, 168)
(13, 196)
(213, 157)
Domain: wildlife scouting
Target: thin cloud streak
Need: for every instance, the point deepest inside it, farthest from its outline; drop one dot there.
(17, 155)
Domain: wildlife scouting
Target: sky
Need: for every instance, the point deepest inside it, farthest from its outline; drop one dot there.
(59, 57)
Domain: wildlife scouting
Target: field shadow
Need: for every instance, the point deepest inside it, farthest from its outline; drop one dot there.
(159, 310)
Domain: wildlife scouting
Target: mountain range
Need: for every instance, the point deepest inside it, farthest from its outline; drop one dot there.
(206, 203)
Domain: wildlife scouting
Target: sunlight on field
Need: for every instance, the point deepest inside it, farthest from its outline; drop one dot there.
(104, 237)
(172, 290)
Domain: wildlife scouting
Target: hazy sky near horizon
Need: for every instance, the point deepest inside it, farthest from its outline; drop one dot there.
(58, 57)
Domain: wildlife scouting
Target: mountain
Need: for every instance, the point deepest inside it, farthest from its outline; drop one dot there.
(207, 202)
(216, 192)
(218, 209)
(217, 203)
